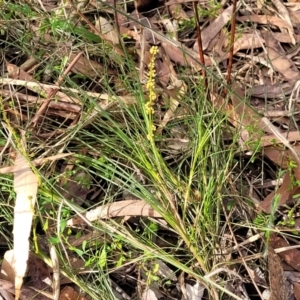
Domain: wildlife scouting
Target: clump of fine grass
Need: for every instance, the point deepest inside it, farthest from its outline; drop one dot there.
(186, 193)
(121, 152)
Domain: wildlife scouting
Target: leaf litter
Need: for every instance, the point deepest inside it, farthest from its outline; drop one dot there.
(261, 105)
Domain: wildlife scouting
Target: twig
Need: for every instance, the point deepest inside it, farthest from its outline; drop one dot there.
(117, 21)
(201, 54)
(53, 92)
(40, 88)
(233, 25)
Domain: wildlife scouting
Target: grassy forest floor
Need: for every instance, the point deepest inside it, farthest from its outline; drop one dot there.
(145, 157)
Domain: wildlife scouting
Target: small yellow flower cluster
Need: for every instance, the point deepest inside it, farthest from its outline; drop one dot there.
(152, 95)
(151, 135)
(151, 81)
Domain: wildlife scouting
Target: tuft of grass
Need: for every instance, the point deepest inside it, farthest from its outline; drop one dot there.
(121, 152)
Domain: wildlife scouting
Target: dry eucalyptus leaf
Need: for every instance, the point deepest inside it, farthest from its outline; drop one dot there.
(285, 15)
(291, 256)
(264, 19)
(105, 27)
(117, 209)
(248, 41)
(281, 64)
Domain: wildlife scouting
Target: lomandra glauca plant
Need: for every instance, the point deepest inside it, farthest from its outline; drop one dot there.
(152, 95)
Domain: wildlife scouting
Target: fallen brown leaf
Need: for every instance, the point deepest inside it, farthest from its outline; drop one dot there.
(7, 266)
(270, 90)
(291, 257)
(15, 72)
(284, 192)
(281, 64)
(284, 38)
(117, 209)
(269, 140)
(248, 41)
(264, 19)
(163, 68)
(87, 67)
(177, 55)
(296, 286)
(283, 12)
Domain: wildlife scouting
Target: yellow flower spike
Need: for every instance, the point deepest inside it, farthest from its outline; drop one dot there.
(152, 95)
(150, 136)
(153, 50)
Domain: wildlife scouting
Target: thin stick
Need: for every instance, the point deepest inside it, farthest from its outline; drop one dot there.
(233, 25)
(53, 92)
(117, 21)
(199, 39)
